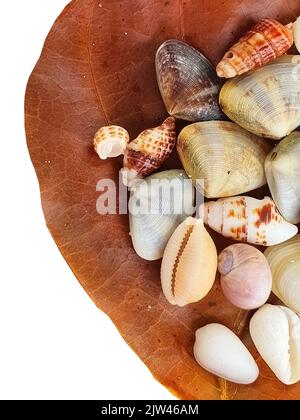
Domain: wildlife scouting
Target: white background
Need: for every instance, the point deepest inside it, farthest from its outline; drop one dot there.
(55, 344)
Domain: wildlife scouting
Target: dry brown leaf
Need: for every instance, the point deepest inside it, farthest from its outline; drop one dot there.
(97, 67)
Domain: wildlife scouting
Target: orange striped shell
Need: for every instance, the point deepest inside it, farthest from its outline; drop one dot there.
(149, 151)
(267, 40)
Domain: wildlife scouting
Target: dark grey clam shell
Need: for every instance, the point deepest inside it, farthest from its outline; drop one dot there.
(187, 82)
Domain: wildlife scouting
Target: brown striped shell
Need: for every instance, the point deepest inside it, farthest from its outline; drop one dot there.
(267, 40)
(148, 151)
(187, 82)
(110, 141)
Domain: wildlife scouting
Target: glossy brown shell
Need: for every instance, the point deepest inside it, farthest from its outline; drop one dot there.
(97, 68)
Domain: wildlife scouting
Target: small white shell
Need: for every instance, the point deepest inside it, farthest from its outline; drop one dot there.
(275, 331)
(111, 141)
(218, 350)
(157, 205)
(189, 263)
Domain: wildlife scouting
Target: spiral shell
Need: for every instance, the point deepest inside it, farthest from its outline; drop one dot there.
(246, 278)
(247, 219)
(283, 175)
(275, 331)
(265, 102)
(148, 151)
(267, 40)
(209, 151)
(188, 82)
(111, 141)
(218, 350)
(156, 207)
(284, 260)
(189, 263)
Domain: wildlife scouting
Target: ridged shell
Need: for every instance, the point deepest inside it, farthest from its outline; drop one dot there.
(148, 151)
(188, 82)
(246, 278)
(247, 219)
(225, 159)
(265, 102)
(296, 33)
(283, 175)
(275, 331)
(167, 199)
(284, 260)
(111, 141)
(218, 350)
(267, 40)
(189, 263)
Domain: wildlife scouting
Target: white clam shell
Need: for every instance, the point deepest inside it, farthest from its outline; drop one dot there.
(218, 350)
(296, 33)
(283, 175)
(247, 219)
(266, 101)
(275, 331)
(189, 263)
(284, 261)
(157, 205)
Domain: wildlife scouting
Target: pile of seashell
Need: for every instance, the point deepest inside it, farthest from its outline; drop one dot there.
(262, 100)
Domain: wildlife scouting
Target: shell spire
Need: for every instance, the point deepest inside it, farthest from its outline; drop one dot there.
(148, 151)
(247, 219)
(267, 40)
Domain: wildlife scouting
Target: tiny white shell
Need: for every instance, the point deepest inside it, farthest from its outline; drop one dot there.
(110, 141)
(275, 331)
(218, 350)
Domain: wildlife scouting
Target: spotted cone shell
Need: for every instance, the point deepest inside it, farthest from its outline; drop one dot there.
(267, 40)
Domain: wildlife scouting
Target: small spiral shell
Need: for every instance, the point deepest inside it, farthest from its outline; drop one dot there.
(267, 40)
(111, 141)
(148, 151)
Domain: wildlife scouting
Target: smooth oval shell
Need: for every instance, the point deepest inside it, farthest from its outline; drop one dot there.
(222, 158)
(284, 260)
(247, 219)
(111, 141)
(265, 41)
(170, 195)
(275, 331)
(265, 102)
(246, 278)
(187, 82)
(283, 175)
(148, 151)
(218, 350)
(189, 263)
(296, 33)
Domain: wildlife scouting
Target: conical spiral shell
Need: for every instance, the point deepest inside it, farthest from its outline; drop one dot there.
(188, 82)
(283, 175)
(111, 141)
(156, 207)
(189, 263)
(247, 219)
(148, 151)
(267, 40)
(265, 102)
(284, 260)
(275, 331)
(222, 158)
